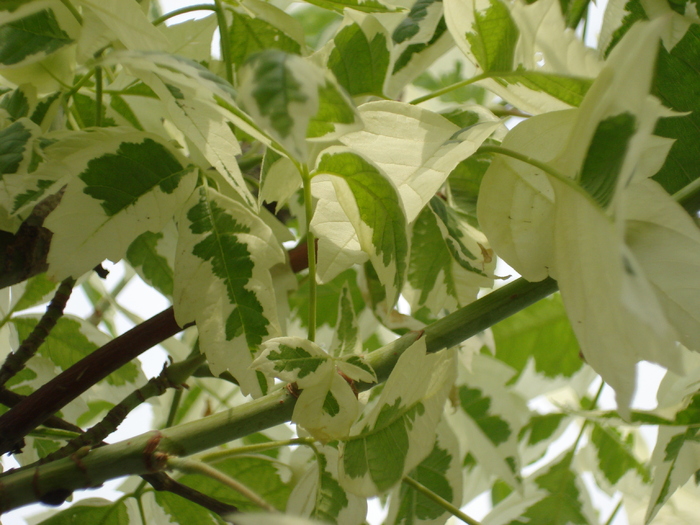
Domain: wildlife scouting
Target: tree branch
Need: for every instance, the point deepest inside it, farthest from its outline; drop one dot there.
(64, 388)
(149, 452)
(16, 360)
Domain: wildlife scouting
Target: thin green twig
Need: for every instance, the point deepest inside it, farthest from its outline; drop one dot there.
(439, 500)
(16, 360)
(224, 41)
(73, 11)
(593, 404)
(257, 447)
(98, 96)
(171, 377)
(614, 513)
(182, 11)
(311, 249)
(549, 170)
(198, 467)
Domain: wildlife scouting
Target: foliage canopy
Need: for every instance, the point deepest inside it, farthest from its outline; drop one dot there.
(285, 192)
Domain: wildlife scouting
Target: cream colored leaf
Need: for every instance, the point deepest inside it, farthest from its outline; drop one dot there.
(416, 148)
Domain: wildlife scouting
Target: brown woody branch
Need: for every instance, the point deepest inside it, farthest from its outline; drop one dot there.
(64, 388)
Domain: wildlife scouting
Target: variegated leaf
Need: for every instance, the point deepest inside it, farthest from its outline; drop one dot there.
(223, 282)
(399, 432)
(127, 183)
(441, 473)
(293, 99)
(513, 44)
(388, 140)
(370, 202)
(318, 495)
(34, 31)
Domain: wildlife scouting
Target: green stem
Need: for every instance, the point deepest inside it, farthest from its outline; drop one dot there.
(80, 83)
(182, 11)
(614, 513)
(439, 500)
(198, 467)
(16, 360)
(593, 403)
(98, 96)
(101, 306)
(144, 453)
(451, 87)
(689, 197)
(541, 165)
(258, 447)
(224, 41)
(73, 11)
(311, 250)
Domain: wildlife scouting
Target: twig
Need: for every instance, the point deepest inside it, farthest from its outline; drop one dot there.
(64, 388)
(171, 377)
(198, 467)
(16, 360)
(439, 500)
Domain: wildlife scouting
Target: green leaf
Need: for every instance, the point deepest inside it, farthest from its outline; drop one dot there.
(366, 6)
(222, 281)
(152, 255)
(568, 89)
(561, 504)
(371, 203)
(93, 510)
(360, 57)
(263, 475)
(85, 109)
(35, 292)
(493, 37)
(491, 416)
(112, 200)
(676, 83)
(464, 182)
(477, 406)
(327, 299)
(336, 115)
(433, 82)
(418, 54)
(294, 99)
(440, 472)
(540, 332)
(327, 405)
(251, 34)
(399, 432)
(71, 340)
(675, 457)
(31, 34)
(17, 102)
(541, 428)
(177, 508)
(616, 454)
